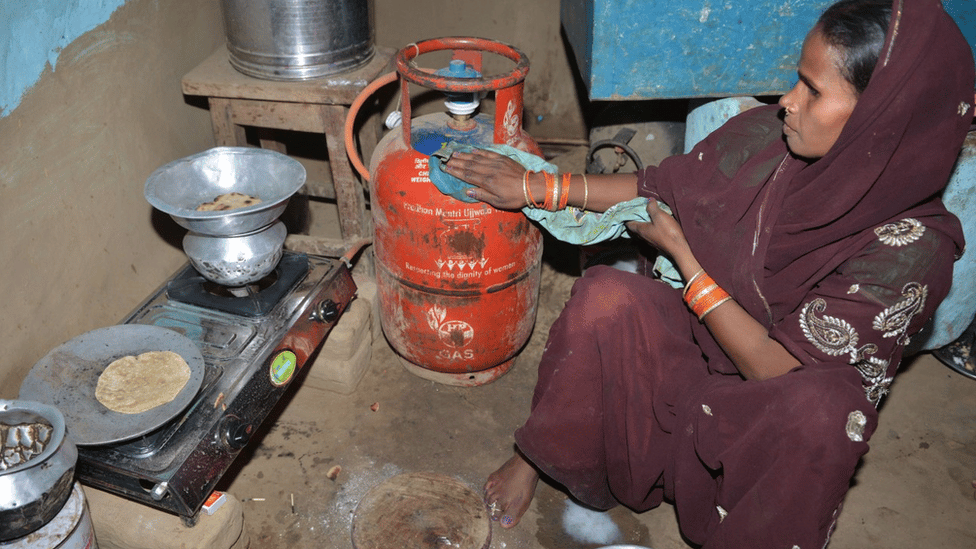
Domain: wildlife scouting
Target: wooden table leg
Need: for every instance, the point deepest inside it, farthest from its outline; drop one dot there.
(349, 193)
(226, 132)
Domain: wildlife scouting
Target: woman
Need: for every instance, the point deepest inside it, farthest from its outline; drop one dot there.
(814, 245)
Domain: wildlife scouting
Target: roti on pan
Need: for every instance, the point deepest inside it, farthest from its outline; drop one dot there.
(228, 201)
(135, 384)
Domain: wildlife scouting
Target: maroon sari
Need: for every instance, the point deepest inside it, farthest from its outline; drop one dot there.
(843, 259)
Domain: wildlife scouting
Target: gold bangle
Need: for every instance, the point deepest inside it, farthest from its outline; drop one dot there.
(528, 192)
(525, 188)
(691, 280)
(702, 294)
(714, 306)
(708, 300)
(586, 192)
(556, 191)
(695, 286)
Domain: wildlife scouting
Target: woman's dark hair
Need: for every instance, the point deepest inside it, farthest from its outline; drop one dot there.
(857, 29)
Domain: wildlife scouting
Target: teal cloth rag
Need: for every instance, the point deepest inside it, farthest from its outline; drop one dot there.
(452, 186)
(571, 224)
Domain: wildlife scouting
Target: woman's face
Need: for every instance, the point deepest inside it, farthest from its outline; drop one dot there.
(820, 103)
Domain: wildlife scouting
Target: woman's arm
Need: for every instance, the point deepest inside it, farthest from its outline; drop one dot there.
(744, 340)
(500, 181)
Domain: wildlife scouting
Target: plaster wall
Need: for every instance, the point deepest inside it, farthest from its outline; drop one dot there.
(90, 105)
(79, 246)
(37, 32)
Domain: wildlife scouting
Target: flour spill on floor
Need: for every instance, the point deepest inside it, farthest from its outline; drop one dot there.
(353, 490)
(588, 526)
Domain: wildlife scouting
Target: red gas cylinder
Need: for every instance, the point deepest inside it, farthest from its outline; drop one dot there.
(458, 282)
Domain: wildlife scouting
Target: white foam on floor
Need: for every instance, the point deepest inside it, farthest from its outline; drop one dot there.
(588, 526)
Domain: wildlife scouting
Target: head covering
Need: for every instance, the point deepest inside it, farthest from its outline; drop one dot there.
(894, 155)
(787, 223)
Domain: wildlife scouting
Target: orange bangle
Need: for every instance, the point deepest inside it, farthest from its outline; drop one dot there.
(553, 192)
(703, 295)
(693, 299)
(564, 192)
(547, 204)
(528, 191)
(695, 287)
(710, 301)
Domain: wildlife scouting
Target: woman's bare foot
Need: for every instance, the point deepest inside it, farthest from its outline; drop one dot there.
(510, 489)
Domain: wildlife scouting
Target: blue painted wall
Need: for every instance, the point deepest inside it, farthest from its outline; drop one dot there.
(32, 35)
(655, 49)
(964, 12)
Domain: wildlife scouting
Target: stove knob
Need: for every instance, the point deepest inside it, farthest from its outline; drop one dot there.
(159, 491)
(235, 434)
(327, 311)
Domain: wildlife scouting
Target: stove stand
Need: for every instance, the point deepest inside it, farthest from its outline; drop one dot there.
(253, 347)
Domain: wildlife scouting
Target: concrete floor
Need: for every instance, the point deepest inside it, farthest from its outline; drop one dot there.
(913, 491)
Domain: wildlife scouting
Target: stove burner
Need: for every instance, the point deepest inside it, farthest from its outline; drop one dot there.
(251, 359)
(253, 300)
(246, 290)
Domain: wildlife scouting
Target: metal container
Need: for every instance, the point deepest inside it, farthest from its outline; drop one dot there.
(179, 187)
(37, 471)
(458, 282)
(236, 260)
(298, 39)
(955, 313)
(71, 528)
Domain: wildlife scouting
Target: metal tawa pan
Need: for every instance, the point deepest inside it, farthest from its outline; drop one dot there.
(67, 376)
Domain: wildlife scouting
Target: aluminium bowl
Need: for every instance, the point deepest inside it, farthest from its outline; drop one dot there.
(179, 187)
(235, 261)
(34, 491)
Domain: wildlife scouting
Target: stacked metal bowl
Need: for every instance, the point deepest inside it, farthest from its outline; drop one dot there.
(232, 247)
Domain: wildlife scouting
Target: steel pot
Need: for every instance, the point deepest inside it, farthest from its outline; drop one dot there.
(236, 260)
(298, 39)
(37, 467)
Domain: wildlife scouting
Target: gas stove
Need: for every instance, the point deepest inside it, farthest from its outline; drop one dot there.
(254, 341)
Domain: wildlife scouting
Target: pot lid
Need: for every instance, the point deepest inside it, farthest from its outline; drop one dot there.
(422, 510)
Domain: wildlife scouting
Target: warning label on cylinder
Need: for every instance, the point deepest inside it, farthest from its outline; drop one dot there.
(461, 250)
(420, 166)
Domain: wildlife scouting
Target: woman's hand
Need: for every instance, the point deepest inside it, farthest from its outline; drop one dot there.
(498, 178)
(662, 232)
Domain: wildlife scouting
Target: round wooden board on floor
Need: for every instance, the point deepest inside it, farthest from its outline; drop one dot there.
(421, 510)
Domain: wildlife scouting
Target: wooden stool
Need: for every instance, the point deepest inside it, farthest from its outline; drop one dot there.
(318, 105)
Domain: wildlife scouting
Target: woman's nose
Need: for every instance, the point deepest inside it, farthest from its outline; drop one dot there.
(787, 101)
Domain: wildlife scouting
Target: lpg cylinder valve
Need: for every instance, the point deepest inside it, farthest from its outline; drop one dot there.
(461, 105)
